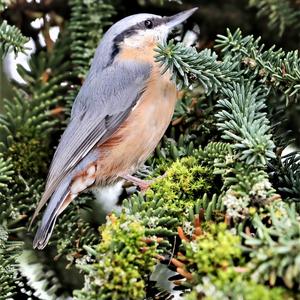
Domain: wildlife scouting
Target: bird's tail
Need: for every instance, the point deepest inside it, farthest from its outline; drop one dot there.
(58, 202)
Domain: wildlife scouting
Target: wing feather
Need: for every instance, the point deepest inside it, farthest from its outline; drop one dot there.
(103, 102)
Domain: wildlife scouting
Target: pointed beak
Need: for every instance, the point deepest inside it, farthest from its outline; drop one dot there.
(177, 19)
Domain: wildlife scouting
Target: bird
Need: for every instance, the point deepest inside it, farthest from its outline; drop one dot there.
(118, 117)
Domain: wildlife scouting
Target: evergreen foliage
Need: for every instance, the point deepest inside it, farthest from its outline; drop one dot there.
(280, 13)
(223, 209)
(275, 248)
(6, 168)
(276, 68)
(11, 38)
(243, 122)
(9, 250)
(188, 65)
(124, 259)
(172, 199)
(209, 264)
(286, 177)
(41, 280)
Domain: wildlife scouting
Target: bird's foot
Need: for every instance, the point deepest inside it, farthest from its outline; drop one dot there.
(142, 184)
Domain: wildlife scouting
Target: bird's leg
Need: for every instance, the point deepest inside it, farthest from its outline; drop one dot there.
(142, 184)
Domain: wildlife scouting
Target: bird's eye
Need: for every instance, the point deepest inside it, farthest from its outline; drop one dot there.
(148, 24)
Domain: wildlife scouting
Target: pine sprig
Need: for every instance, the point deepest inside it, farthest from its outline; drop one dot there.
(152, 214)
(26, 118)
(186, 65)
(275, 68)
(275, 249)
(220, 181)
(9, 251)
(31, 113)
(243, 121)
(248, 190)
(285, 176)
(280, 13)
(6, 172)
(218, 155)
(83, 40)
(11, 38)
(40, 276)
(72, 233)
(19, 201)
(211, 267)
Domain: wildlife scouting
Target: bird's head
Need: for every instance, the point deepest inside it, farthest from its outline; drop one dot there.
(141, 29)
(138, 31)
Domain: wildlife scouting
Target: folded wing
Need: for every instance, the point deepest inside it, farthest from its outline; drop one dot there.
(103, 103)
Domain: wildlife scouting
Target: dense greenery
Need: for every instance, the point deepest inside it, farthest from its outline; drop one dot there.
(223, 212)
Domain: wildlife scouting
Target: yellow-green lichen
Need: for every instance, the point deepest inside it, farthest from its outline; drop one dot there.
(213, 252)
(214, 260)
(237, 289)
(123, 260)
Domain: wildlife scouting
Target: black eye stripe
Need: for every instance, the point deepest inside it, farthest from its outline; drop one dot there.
(132, 30)
(156, 21)
(139, 26)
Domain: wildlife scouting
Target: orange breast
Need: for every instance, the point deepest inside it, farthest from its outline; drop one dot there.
(138, 136)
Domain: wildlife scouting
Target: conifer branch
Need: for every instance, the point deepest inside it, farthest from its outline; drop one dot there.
(187, 65)
(11, 38)
(40, 276)
(85, 29)
(280, 13)
(122, 262)
(243, 121)
(275, 68)
(6, 172)
(285, 176)
(9, 251)
(211, 193)
(275, 249)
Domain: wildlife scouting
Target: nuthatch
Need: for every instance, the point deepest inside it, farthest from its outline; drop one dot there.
(118, 117)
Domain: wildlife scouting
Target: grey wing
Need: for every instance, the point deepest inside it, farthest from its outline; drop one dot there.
(104, 101)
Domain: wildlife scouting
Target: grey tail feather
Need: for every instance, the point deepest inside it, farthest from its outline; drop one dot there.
(51, 213)
(43, 234)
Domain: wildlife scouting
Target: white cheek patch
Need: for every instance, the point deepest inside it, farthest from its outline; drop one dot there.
(133, 41)
(140, 39)
(83, 182)
(162, 32)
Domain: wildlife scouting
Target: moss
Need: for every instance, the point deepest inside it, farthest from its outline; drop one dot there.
(184, 182)
(123, 260)
(29, 157)
(213, 252)
(236, 290)
(213, 265)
